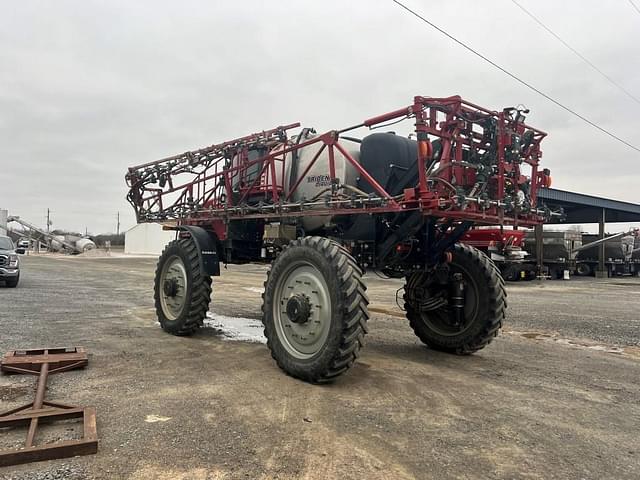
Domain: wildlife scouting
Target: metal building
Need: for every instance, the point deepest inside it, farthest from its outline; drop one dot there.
(147, 238)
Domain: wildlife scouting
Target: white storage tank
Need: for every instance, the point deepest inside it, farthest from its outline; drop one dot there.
(317, 181)
(84, 245)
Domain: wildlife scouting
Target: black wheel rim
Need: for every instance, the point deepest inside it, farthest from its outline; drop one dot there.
(442, 320)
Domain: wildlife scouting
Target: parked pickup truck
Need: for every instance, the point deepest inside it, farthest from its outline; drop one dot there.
(9, 263)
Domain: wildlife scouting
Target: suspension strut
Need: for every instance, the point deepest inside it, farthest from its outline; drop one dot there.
(456, 297)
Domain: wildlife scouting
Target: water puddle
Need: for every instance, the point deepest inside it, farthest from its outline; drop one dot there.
(236, 328)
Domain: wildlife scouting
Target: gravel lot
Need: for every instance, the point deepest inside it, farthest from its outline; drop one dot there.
(555, 396)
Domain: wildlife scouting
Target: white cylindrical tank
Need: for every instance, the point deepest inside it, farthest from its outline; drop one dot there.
(317, 181)
(85, 244)
(57, 243)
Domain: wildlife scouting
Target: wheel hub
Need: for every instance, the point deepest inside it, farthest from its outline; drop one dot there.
(302, 314)
(298, 309)
(170, 287)
(173, 284)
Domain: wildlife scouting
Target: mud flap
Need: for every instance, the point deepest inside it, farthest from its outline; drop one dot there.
(207, 248)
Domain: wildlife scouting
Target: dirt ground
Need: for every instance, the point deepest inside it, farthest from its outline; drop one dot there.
(555, 396)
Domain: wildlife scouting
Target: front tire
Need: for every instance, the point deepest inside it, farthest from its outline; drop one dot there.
(182, 291)
(431, 317)
(12, 282)
(315, 309)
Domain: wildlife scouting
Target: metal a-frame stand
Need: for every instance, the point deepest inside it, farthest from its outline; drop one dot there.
(45, 362)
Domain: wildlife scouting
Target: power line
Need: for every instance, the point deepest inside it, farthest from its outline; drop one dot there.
(634, 6)
(578, 54)
(528, 85)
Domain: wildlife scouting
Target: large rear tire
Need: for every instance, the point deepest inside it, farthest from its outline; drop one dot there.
(182, 291)
(314, 309)
(432, 318)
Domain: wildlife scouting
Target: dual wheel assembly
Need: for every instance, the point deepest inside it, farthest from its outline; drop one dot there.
(314, 308)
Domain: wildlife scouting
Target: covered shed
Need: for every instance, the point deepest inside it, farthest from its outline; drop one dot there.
(583, 208)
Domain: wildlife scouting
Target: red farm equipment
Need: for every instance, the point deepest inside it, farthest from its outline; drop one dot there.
(505, 248)
(323, 208)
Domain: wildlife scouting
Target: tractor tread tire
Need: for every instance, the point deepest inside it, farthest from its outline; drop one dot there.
(349, 302)
(495, 304)
(194, 313)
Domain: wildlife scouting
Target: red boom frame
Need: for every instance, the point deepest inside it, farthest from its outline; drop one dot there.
(222, 178)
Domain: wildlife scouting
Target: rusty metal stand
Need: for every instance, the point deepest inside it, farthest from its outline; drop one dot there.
(45, 362)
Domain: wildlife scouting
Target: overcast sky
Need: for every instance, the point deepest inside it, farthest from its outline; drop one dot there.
(89, 88)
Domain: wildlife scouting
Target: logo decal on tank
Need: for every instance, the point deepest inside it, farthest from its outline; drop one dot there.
(319, 180)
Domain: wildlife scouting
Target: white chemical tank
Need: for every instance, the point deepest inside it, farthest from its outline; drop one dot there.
(389, 159)
(317, 181)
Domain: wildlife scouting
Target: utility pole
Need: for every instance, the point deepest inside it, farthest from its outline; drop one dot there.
(118, 226)
(48, 220)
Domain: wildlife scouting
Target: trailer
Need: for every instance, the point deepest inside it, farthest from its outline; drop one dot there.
(323, 208)
(577, 252)
(621, 255)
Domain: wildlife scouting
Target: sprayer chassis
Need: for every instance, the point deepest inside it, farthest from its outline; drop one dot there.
(469, 169)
